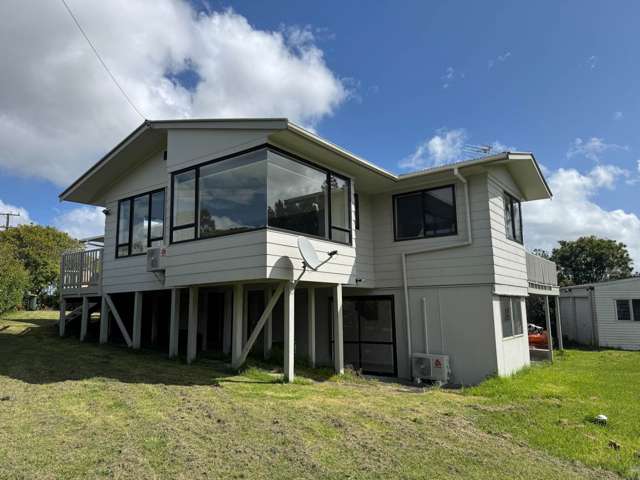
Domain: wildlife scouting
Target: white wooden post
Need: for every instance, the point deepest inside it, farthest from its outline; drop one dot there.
(289, 331)
(559, 324)
(62, 322)
(338, 337)
(174, 323)
(155, 313)
(192, 325)
(137, 320)
(311, 316)
(104, 320)
(84, 320)
(238, 315)
(268, 327)
(547, 317)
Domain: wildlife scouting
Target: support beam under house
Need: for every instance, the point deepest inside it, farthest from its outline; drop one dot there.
(236, 330)
(559, 324)
(62, 322)
(547, 317)
(84, 319)
(137, 320)
(174, 323)
(104, 320)
(192, 324)
(338, 337)
(289, 331)
(311, 316)
(268, 327)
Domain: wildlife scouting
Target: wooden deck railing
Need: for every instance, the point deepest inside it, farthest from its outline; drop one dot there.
(81, 270)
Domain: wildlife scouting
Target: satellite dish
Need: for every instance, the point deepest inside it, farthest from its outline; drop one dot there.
(309, 254)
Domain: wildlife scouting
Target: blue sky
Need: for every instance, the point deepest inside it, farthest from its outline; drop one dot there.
(555, 78)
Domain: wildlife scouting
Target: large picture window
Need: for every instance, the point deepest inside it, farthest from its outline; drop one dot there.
(256, 189)
(513, 218)
(425, 214)
(140, 223)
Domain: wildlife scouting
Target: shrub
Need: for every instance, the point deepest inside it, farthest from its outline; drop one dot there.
(14, 279)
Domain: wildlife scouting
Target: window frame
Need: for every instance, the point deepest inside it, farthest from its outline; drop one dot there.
(394, 206)
(150, 239)
(632, 313)
(511, 300)
(513, 200)
(356, 207)
(288, 155)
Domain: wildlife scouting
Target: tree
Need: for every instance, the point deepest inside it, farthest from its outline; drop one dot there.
(591, 259)
(14, 279)
(39, 250)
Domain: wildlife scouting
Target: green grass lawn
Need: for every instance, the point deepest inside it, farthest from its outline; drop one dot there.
(552, 408)
(79, 410)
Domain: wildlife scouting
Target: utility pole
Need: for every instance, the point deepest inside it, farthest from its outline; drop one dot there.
(7, 217)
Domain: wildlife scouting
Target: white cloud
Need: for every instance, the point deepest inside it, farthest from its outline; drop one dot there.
(500, 59)
(592, 62)
(22, 219)
(618, 115)
(59, 111)
(444, 147)
(573, 213)
(81, 222)
(592, 148)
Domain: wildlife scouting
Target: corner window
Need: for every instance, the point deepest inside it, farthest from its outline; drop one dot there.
(512, 218)
(140, 223)
(425, 214)
(256, 189)
(628, 310)
(511, 316)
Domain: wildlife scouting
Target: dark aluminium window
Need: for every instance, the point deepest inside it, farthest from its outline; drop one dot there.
(140, 223)
(628, 310)
(425, 213)
(512, 218)
(259, 188)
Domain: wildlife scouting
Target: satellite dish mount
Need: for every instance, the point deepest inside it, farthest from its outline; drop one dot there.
(310, 258)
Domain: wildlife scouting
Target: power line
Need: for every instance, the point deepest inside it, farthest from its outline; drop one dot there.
(101, 61)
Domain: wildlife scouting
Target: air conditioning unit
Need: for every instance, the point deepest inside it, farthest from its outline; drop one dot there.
(433, 367)
(155, 259)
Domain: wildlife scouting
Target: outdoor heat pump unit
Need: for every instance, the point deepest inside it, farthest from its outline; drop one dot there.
(155, 259)
(433, 367)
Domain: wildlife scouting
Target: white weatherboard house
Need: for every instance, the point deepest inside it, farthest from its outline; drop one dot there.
(605, 314)
(200, 252)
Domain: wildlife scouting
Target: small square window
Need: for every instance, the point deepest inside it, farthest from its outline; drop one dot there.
(623, 310)
(636, 309)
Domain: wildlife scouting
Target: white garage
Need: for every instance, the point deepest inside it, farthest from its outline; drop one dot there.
(605, 314)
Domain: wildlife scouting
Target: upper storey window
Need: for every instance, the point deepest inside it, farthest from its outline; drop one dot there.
(425, 214)
(512, 218)
(140, 223)
(259, 189)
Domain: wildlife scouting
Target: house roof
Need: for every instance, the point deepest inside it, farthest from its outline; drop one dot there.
(146, 139)
(604, 282)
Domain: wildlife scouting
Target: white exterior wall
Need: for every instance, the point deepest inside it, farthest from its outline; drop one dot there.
(364, 266)
(612, 332)
(512, 352)
(467, 265)
(509, 257)
(130, 274)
